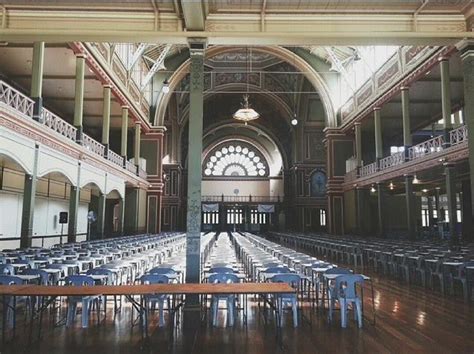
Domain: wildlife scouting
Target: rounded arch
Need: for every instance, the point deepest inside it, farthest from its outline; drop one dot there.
(16, 160)
(282, 53)
(92, 184)
(72, 180)
(114, 194)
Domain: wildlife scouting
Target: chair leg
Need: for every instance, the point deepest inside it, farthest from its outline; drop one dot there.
(85, 313)
(343, 305)
(230, 310)
(294, 306)
(215, 307)
(161, 313)
(358, 306)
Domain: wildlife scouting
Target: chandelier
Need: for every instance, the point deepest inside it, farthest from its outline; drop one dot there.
(246, 114)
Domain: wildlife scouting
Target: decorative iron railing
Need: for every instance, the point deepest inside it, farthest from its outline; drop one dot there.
(142, 173)
(15, 99)
(426, 147)
(458, 135)
(241, 199)
(115, 158)
(59, 125)
(392, 160)
(368, 169)
(92, 145)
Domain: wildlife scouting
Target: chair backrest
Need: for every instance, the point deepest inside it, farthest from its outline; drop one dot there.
(162, 270)
(44, 276)
(10, 280)
(7, 269)
(79, 280)
(346, 285)
(338, 270)
(221, 270)
(225, 278)
(154, 279)
(103, 271)
(292, 279)
(271, 264)
(272, 270)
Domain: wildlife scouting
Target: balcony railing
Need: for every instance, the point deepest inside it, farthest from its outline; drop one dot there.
(115, 158)
(425, 148)
(392, 160)
(59, 125)
(92, 145)
(16, 99)
(368, 169)
(351, 175)
(241, 199)
(142, 173)
(23, 104)
(458, 135)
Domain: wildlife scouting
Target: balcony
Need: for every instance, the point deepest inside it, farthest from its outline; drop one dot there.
(416, 156)
(20, 103)
(240, 199)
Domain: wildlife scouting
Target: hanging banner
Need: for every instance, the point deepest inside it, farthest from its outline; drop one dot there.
(210, 207)
(266, 208)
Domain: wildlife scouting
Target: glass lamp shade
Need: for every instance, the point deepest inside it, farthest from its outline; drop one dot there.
(246, 114)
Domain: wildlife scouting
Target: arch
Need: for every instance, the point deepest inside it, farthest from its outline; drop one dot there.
(71, 179)
(282, 53)
(17, 160)
(114, 193)
(92, 183)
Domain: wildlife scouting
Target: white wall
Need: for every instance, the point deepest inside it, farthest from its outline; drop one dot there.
(46, 217)
(246, 188)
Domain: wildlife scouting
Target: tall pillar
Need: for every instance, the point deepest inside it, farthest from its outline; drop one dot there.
(407, 138)
(121, 216)
(136, 149)
(101, 216)
(79, 96)
(445, 98)
(380, 204)
(132, 201)
(430, 214)
(74, 197)
(410, 206)
(193, 235)
(106, 117)
(36, 91)
(450, 172)
(124, 132)
(29, 195)
(466, 211)
(358, 143)
(378, 135)
(467, 57)
(359, 210)
(438, 205)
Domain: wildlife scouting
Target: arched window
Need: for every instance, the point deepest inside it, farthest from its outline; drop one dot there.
(235, 159)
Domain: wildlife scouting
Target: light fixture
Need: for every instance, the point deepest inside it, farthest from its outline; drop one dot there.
(166, 86)
(391, 186)
(294, 121)
(372, 189)
(416, 180)
(246, 113)
(424, 190)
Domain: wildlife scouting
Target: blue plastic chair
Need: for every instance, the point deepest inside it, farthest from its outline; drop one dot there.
(221, 270)
(7, 269)
(294, 281)
(111, 280)
(162, 270)
(81, 280)
(223, 278)
(346, 293)
(11, 301)
(152, 300)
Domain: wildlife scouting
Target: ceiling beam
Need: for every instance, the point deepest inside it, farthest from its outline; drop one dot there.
(157, 65)
(194, 16)
(52, 77)
(27, 24)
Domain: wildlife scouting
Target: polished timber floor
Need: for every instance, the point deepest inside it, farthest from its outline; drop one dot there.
(409, 320)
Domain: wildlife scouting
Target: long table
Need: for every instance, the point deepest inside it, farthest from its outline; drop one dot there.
(129, 291)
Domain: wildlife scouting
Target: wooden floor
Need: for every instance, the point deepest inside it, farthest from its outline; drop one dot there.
(409, 320)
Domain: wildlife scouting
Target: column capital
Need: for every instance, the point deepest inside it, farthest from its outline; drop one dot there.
(466, 46)
(80, 56)
(405, 88)
(443, 58)
(377, 108)
(125, 107)
(197, 46)
(106, 85)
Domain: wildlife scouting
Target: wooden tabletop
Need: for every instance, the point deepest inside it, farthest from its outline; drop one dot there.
(205, 288)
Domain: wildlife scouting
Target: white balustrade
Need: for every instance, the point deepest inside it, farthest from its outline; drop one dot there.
(368, 169)
(92, 145)
(458, 135)
(15, 99)
(59, 125)
(425, 148)
(115, 158)
(131, 167)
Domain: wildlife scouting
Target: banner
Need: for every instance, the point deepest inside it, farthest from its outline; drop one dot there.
(210, 207)
(266, 208)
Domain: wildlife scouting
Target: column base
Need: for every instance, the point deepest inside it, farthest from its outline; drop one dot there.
(38, 109)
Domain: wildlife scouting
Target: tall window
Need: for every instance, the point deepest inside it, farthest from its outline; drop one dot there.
(322, 217)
